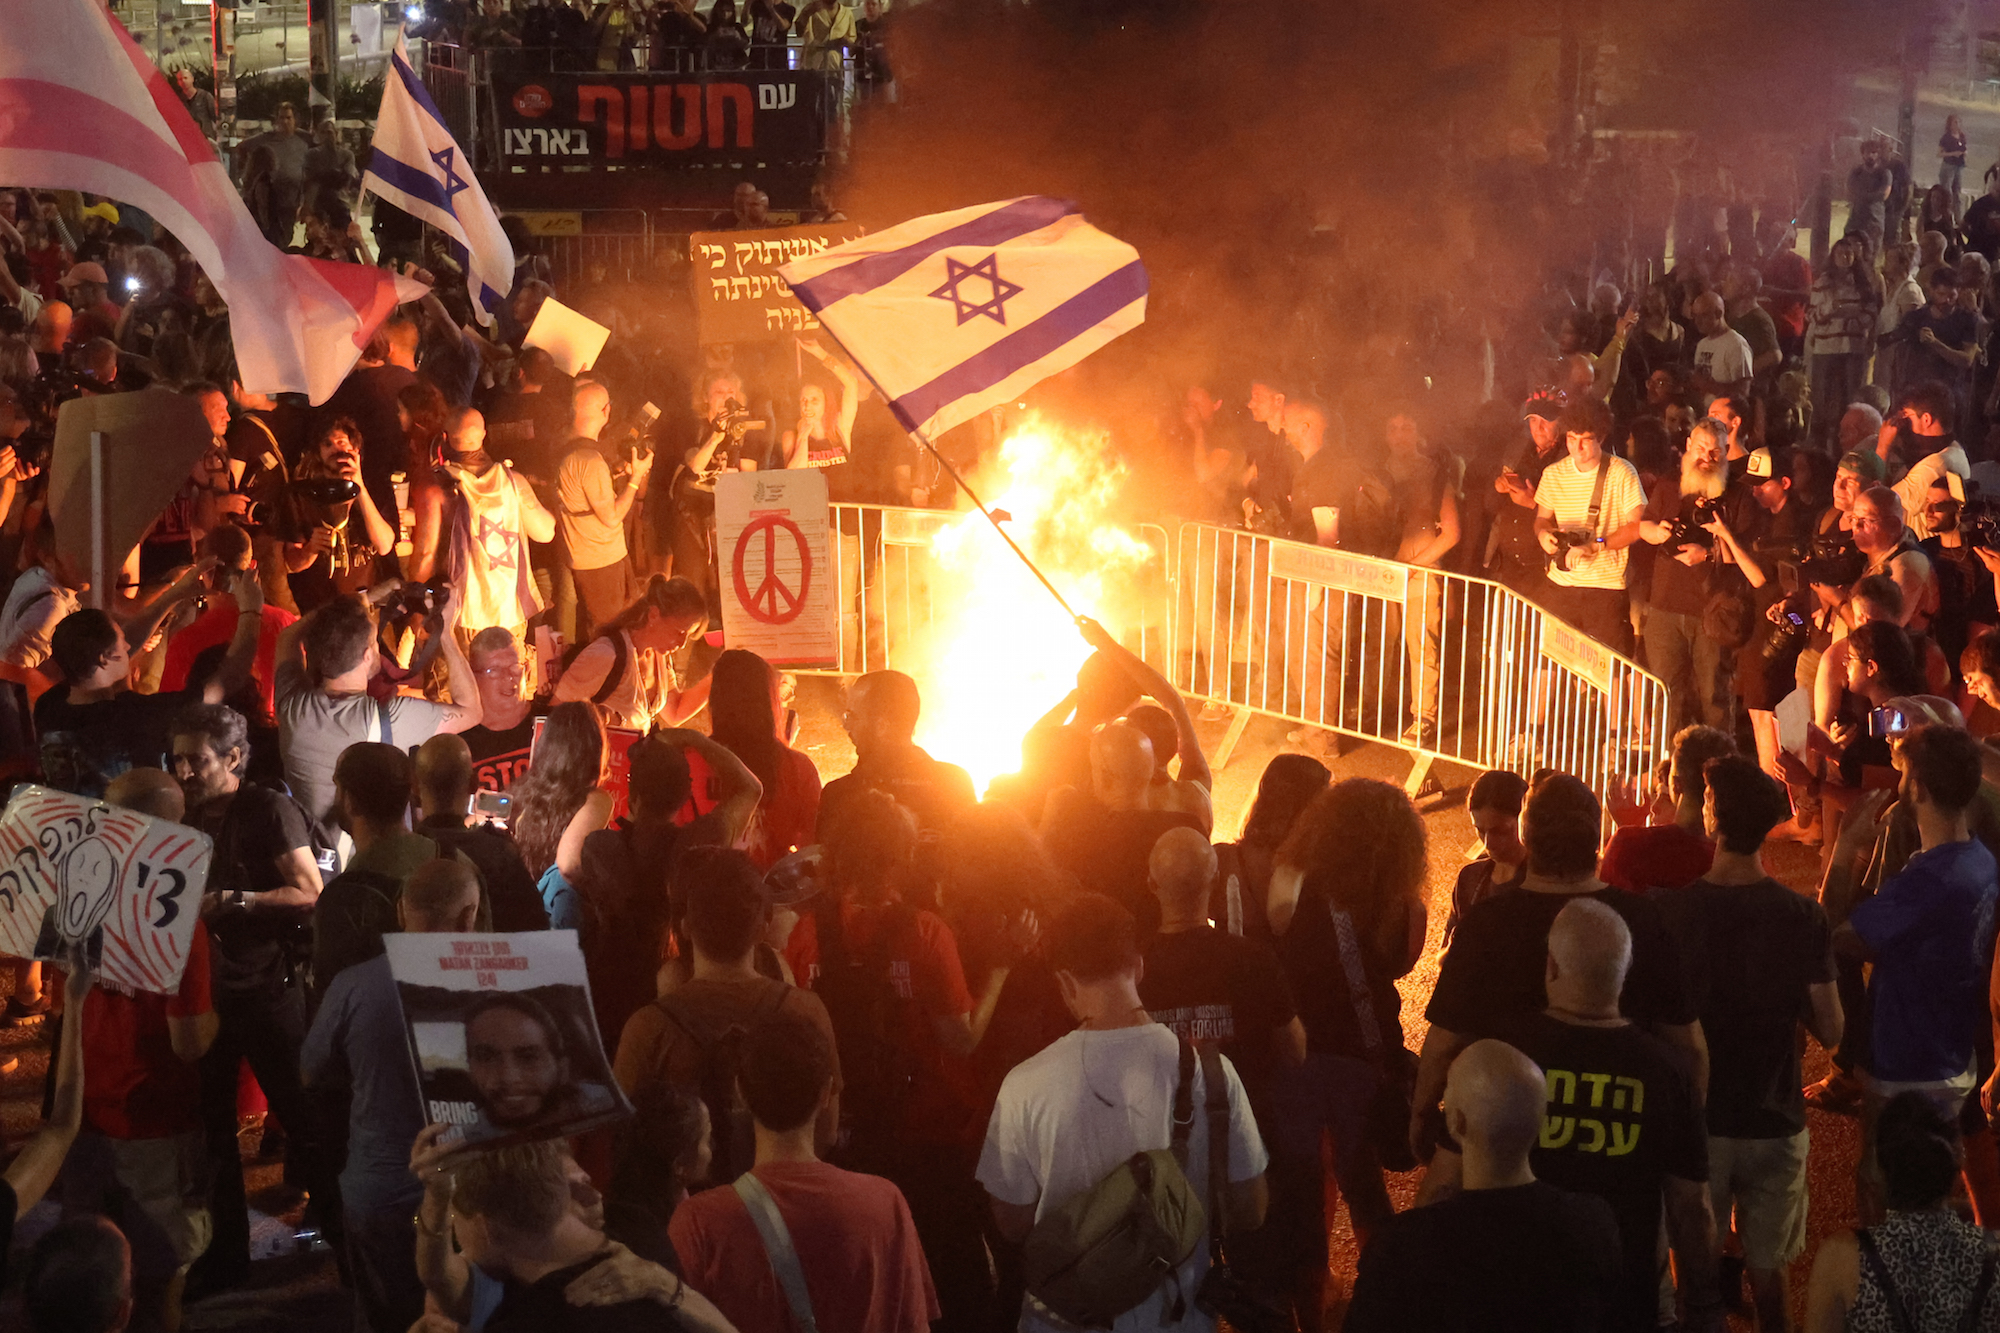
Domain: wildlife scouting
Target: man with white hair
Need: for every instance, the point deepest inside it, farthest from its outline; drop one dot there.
(1860, 427)
(1505, 1251)
(1623, 1121)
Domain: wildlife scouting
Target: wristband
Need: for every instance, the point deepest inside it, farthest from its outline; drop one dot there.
(422, 1230)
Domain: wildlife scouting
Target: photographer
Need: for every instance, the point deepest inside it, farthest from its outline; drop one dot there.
(325, 551)
(1919, 433)
(1778, 539)
(1697, 516)
(1588, 512)
(726, 445)
(592, 513)
(1959, 560)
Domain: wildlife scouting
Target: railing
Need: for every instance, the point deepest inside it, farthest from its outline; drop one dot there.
(1441, 664)
(619, 238)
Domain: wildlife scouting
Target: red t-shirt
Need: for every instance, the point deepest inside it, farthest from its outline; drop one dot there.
(787, 813)
(863, 1264)
(925, 969)
(1664, 856)
(218, 625)
(134, 1086)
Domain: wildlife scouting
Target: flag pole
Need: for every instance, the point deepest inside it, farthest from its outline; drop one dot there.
(956, 476)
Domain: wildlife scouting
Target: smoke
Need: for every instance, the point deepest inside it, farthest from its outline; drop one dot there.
(1349, 195)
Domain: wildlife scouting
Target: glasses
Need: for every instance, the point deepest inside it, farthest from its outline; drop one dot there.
(514, 672)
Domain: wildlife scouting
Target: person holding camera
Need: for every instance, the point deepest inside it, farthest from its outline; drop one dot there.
(1690, 514)
(724, 446)
(592, 510)
(326, 552)
(1919, 430)
(1588, 510)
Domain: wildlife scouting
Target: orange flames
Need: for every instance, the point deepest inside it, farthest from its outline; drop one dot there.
(1000, 652)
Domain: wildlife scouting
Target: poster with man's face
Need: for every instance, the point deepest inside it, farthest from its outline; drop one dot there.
(503, 1036)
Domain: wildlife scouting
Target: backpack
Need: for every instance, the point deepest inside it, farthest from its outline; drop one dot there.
(730, 1124)
(1111, 1246)
(869, 1028)
(613, 677)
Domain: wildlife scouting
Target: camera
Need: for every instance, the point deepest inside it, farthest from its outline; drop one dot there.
(1979, 522)
(420, 599)
(1570, 541)
(735, 419)
(327, 491)
(1692, 530)
(1833, 562)
(1790, 636)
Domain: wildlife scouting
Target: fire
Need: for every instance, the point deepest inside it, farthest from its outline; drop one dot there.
(1001, 652)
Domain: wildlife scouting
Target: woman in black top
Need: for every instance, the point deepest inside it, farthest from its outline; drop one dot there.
(1951, 160)
(1347, 910)
(1243, 867)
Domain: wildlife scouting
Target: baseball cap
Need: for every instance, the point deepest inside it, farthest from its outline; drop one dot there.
(1758, 465)
(1864, 464)
(1544, 403)
(85, 272)
(103, 210)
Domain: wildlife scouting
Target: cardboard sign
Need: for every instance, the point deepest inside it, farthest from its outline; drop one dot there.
(1573, 650)
(153, 439)
(778, 579)
(573, 340)
(1341, 570)
(738, 295)
(617, 779)
(124, 885)
(503, 1036)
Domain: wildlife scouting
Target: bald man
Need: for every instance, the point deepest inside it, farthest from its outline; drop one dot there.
(1209, 985)
(1723, 363)
(1623, 1121)
(1507, 1250)
(1105, 836)
(52, 324)
(358, 1039)
(591, 511)
(444, 795)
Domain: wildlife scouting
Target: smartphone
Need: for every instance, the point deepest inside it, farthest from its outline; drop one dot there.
(1887, 722)
(493, 807)
(131, 284)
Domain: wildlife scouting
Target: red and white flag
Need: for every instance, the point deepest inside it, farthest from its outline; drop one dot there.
(83, 108)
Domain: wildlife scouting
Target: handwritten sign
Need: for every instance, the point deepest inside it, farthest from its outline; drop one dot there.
(503, 1035)
(124, 885)
(738, 295)
(778, 578)
(1340, 570)
(1574, 651)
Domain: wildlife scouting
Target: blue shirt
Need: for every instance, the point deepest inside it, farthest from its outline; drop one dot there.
(358, 1038)
(560, 897)
(1931, 931)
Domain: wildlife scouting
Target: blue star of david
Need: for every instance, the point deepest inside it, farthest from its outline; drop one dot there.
(497, 542)
(988, 270)
(453, 182)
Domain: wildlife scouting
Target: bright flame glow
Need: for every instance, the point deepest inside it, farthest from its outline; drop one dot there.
(1000, 652)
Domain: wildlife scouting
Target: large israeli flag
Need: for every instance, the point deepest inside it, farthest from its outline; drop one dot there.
(953, 313)
(418, 167)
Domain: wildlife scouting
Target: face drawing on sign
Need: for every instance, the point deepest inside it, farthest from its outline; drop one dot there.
(515, 1054)
(89, 877)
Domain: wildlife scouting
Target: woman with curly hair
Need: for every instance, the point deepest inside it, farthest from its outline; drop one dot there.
(559, 802)
(1346, 907)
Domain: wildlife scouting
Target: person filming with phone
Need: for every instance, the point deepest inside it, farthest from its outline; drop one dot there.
(1884, 670)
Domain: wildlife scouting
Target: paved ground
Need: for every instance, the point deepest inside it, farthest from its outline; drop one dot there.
(298, 1290)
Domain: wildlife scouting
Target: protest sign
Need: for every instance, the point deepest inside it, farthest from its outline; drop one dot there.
(778, 577)
(125, 886)
(619, 741)
(153, 437)
(571, 340)
(738, 295)
(503, 1035)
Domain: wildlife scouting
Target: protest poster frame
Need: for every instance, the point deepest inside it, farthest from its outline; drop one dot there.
(775, 557)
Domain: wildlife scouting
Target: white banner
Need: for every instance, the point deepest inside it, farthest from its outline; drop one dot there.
(778, 579)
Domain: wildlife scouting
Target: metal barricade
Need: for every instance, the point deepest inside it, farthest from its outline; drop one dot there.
(448, 75)
(619, 238)
(1438, 663)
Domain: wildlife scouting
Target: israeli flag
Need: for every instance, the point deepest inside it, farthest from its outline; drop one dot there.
(953, 313)
(418, 167)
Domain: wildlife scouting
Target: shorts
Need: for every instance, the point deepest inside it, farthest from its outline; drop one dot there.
(164, 1181)
(1766, 1179)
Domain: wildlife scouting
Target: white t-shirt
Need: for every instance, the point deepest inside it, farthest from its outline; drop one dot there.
(1724, 357)
(1053, 1135)
(35, 605)
(1565, 492)
(640, 694)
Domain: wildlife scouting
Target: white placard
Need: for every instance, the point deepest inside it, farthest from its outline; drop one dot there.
(779, 589)
(572, 340)
(124, 885)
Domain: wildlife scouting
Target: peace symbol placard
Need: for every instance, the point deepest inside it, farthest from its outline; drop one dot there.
(124, 885)
(780, 575)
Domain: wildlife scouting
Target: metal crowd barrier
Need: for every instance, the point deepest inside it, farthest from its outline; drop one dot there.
(1323, 638)
(1377, 649)
(619, 238)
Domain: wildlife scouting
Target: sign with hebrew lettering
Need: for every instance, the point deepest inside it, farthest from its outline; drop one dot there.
(1341, 570)
(503, 1036)
(633, 119)
(1574, 651)
(738, 295)
(125, 886)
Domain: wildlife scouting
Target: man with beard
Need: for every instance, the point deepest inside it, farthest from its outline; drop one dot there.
(262, 887)
(1919, 430)
(339, 547)
(1694, 663)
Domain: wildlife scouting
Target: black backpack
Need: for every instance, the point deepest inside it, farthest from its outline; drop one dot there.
(869, 1027)
(612, 677)
(730, 1125)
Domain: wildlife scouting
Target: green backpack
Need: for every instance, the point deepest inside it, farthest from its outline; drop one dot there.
(1110, 1247)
